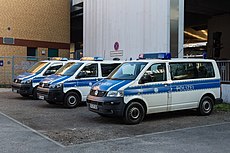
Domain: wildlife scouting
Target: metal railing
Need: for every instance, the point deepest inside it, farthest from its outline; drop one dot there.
(224, 68)
(11, 66)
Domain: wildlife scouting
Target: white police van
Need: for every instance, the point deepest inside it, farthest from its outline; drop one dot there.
(141, 87)
(71, 84)
(26, 83)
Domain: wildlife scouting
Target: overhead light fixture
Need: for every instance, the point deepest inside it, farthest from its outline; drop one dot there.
(204, 32)
(194, 35)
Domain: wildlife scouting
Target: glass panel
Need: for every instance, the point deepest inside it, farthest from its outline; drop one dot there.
(128, 71)
(69, 69)
(106, 69)
(38, 67)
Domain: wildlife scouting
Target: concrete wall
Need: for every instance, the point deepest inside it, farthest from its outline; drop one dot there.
(138, 26)
(226, 92)
(219, 24)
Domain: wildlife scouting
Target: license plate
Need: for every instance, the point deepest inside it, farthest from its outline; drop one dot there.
(41, 97)
(15, 90)
(93, 106)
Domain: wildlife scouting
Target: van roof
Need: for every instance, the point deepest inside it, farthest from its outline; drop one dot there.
(174, 60)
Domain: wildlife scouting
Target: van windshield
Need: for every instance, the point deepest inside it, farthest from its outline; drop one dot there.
(38, 67)
(127, 71)
(69, 69)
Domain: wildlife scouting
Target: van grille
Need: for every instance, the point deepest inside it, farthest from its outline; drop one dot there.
(44, 85)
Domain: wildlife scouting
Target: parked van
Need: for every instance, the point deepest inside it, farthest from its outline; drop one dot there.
(146, 86)
(71, 84)
(26, 83)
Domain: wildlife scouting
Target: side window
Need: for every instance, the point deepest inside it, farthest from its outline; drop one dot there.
(205, 70)
(52, 69)
(155, 73)
(180, 71)
(191, 70)
(106, 69)
(90, 70)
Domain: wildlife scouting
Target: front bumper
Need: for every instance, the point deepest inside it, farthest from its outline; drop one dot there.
(54, 95)
(25, 89)
(113, 106)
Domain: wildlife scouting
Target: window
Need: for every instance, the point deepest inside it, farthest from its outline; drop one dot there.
(156, 73)
(128, 71)
(69, 69)
(205, 70)
(90, 70)
(53, 68)
(191, 70)
(106, 69)
(31, 53)
(52, 52)
(38, 67)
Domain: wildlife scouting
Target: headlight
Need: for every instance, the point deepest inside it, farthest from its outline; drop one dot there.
(26, 82)
(56, 85)
(115, 94)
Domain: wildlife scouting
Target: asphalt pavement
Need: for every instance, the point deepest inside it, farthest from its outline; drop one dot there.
(18, 138)
(25, 126)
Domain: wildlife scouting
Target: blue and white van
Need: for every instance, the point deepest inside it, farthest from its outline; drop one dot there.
(146, 86)
(71, 84)
(26, 83)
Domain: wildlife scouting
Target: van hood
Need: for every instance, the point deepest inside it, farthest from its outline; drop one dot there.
(52, 79)
(25, 75)
(110, 85)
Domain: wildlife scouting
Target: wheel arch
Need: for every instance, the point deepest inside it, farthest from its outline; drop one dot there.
(209, 95)
(76, 91)
(139, 101)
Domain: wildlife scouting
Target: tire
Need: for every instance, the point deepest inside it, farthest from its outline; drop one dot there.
(205, 106)
(35, 96)
(24, 95)
(72, 100)
(134, 113)
(50, 102)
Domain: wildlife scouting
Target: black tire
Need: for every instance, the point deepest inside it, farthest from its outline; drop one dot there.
(72, 100)
(205, 106)
(24, 95)
(50, 102)
(134, 113)
(35, 96)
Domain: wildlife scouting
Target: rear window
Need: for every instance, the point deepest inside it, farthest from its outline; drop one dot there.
(191, 70)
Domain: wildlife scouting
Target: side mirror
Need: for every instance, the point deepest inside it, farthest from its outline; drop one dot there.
(145, 79)
(81, 75)
(49, 72)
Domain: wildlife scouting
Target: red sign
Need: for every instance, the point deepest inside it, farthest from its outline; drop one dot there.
(116, 46)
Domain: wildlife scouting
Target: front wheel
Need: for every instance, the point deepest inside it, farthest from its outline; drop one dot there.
(205, 106)
(35, 96)
(72, 100)
(24, 95)
(134, 113)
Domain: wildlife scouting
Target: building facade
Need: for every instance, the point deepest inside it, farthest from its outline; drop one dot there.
(31, 31)
(34, 28)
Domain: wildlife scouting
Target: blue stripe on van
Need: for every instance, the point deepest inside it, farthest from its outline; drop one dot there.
(174, 87)
(80, 83)
(37, 79)
(60, 79)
